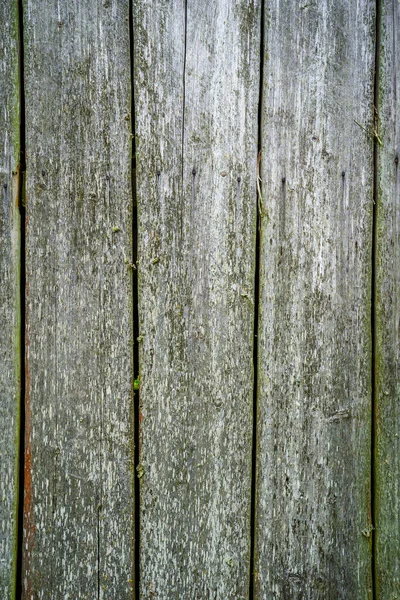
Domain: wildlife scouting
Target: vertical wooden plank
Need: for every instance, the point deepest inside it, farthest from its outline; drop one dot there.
(79, 500)
(313, 528)
(387, 365)
(9, 296)
(197, 77)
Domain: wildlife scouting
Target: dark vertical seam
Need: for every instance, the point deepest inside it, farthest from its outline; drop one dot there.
(259, 202)
(181, 210)
(22, 283)
(99, 497)
(184, 91)
(101, 421)
(135, 318)
(373, 291)
(98, 548)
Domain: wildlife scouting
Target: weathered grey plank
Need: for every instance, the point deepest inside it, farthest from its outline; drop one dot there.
(387, 365)
(9, 296)
(314, 403)
(196, 123)
(78, 501)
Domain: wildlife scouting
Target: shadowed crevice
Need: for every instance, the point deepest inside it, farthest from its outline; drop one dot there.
(373, 287)
(184, 88)
(22, 302)
(259, 202)
(135, 317)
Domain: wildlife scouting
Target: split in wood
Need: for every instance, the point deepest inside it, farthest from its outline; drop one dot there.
(372, 132)
(259, 191)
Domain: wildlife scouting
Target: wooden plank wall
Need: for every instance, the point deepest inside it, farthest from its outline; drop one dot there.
(78, 513)
(9, 296)
(387, 366)
(292, 490)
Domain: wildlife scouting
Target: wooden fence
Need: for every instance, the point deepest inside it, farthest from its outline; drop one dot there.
(200, 299)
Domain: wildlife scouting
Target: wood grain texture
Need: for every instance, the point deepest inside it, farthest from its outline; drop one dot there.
(197, 80)
(387, 367)
(313, 536)
(78, 528)
(9, 296)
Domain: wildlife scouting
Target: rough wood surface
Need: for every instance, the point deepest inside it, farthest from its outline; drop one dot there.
(196, 121)
(314, 404)
(9, 296)
(78, 529)
(387, 367)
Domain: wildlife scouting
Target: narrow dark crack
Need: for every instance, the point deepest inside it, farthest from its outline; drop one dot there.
(98, 552)
(183, 127)
(22, 282)
(373, 286)
(135, 316)
(259, 201)
(184, 90)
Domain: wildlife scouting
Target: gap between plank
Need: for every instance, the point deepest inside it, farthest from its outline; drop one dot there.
(256, 317)
(184, 94)
(373, 286)
(22, 300)
(135, 316)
